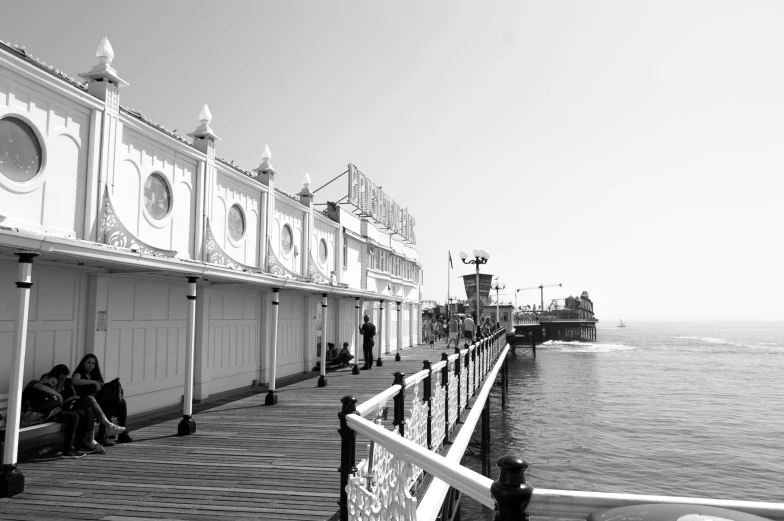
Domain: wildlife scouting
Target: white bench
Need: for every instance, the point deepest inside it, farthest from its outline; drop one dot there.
(26, 432)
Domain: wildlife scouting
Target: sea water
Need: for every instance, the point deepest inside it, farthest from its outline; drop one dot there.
(680, 408)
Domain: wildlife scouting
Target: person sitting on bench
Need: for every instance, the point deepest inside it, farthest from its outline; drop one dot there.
(344, 357)
(88, 381)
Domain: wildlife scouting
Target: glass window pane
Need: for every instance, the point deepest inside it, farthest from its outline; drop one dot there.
(286, 239)
(20, 151)
(236, 223)
(157, 198)
(322, 251)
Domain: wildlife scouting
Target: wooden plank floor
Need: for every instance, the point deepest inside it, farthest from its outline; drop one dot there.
(246, 461)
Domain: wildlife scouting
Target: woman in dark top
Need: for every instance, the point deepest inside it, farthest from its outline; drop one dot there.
(45, 394)
(87, 378)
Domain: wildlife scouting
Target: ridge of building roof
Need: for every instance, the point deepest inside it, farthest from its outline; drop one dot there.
(21, 52)
(138, 115)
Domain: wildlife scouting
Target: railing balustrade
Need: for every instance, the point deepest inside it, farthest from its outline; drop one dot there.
(382, 485)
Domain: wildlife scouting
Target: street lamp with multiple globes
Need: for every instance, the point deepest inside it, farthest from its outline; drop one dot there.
(480, 257)
(497, 286)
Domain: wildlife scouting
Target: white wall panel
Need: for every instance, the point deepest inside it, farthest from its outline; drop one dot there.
(233, 338)
(290, 334)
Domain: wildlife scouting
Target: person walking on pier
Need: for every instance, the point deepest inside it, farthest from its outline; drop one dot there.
(468, 328)
(368, 330)
(454, 332)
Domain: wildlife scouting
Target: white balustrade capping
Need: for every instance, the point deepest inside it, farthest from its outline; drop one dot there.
(427, 406)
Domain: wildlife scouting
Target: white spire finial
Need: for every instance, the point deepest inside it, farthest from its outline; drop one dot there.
(105, 53)
(306, 181)
(266, 155)
(205, 116)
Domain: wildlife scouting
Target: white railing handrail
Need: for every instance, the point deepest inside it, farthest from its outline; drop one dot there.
(578, 505)
(450, 471)
(431, 502)
(416, 377)
(438, 365)
(382, 397)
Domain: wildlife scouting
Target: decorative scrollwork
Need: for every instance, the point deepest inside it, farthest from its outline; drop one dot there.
(115, 233)
(275, 267)
(416, 424)
(381, 488)
(438, 430)
(214, 254)
(463, 384)
(314, 272)
(452, 382)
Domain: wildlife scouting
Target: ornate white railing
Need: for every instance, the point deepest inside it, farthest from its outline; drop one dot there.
(427, 407)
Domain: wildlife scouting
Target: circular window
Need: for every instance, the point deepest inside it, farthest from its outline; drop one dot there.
(20, 150)
(286, 239)
(157, 197)
(322, 251)
(236, 223)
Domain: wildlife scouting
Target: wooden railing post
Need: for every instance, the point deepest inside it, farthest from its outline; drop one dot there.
(348, 444)
(510, 491)
(400, 403)
(427, 394)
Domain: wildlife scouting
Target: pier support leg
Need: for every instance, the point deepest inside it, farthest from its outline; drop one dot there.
(486, 438)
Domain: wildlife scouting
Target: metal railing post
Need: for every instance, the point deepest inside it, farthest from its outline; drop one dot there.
(510, 491)
(458, 370)
(467, 368)
(400, 403)
(503, 385)
(348, 445)
(427, 394)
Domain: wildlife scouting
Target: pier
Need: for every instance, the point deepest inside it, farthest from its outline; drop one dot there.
(246, 460)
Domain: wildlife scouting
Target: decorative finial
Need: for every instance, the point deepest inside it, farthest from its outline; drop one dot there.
(105, 53)
(306, 182)
(266, 155)
(205, 116)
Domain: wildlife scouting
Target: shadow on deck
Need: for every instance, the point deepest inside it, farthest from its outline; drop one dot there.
(246, 460)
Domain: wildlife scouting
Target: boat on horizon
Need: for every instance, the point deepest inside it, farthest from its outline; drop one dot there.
(621, 323)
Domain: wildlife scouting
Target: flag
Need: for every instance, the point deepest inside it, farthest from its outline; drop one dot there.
(450, 260)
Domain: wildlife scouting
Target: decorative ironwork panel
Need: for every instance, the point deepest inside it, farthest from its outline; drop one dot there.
(438, 430)
(116, 234)
(315, 273)
(275, 267)
(214, 254)
(452, 382)
(463, 385)
(470, 376)
(416, 424)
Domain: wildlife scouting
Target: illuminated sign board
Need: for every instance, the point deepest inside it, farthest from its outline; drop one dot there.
(372, 201)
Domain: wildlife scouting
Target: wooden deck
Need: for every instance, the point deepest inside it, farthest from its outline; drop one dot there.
(246, 461)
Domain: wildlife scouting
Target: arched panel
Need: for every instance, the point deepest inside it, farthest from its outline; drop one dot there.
(64, 185)
(182, 238)
(218, 221)
(127, 194)
(251, 238)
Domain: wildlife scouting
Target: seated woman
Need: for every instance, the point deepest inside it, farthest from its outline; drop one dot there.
(344, 357)
(88, 381)
(45, 396)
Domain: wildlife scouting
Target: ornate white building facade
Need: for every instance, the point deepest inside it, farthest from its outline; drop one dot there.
(119, 222)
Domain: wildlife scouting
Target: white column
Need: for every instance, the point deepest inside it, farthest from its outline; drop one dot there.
(187, 425)
(322, 382)
(201, 346)
(11, 480)
(399, 338)
(411, 339)
(272, 398)
(358, 311)
(383, 337)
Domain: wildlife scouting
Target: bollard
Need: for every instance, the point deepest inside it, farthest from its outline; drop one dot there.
(510, 491)
(400, 403)
(348, 445)
(427, 396)
(356, 369)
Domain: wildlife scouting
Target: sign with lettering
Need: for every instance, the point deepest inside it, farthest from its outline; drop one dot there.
(373, 202)
(485, 283)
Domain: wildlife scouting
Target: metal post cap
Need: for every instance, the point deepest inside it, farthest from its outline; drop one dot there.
(512, 470)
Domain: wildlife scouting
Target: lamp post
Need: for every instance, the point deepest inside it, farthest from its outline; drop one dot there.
(480, 257)
(498, 286)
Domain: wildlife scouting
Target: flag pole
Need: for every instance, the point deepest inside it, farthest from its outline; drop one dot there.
(449, 289)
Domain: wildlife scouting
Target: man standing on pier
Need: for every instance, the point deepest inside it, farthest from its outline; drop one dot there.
(368, 331)
(468, 328)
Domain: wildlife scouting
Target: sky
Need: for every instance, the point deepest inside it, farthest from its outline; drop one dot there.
(633, 150)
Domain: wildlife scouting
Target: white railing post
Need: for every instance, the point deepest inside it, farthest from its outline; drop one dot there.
(272, 397)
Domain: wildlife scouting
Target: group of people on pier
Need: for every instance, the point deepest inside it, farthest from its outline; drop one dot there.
(436, 328)
(78, 401)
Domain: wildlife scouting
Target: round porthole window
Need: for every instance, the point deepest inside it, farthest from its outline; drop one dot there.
(322, 251)
(20, 150)
(236, 223)
(157, 197)
(286, 239)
